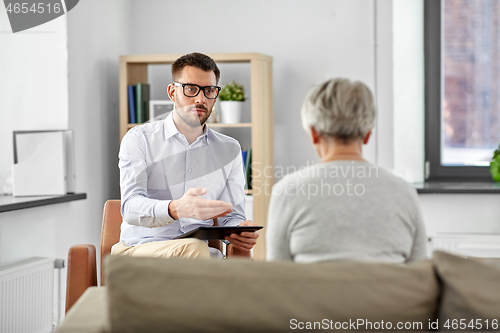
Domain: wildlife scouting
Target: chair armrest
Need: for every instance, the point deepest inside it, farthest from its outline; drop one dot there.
(82, 272)
(232, 251)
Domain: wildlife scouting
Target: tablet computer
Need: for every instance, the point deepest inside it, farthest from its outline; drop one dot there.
(207, 233)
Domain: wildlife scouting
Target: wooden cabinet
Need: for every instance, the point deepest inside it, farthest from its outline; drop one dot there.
(134, 69)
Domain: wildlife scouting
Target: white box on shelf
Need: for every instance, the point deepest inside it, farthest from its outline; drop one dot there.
(249, 207)
(43, 163)
(159, 110)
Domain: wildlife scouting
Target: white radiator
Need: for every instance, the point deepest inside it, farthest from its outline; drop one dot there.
(26, 296)
(470, 245)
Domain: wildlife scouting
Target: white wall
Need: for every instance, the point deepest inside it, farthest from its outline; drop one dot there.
(408, 88)
(461, 213)
(384, 93)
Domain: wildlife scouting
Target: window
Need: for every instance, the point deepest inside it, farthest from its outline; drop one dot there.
(462, 87)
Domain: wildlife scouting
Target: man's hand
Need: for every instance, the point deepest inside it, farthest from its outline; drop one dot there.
(189, 205)
(246, 240)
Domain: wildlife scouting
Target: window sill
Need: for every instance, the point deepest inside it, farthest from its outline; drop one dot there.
(478, 187)
(9, 203)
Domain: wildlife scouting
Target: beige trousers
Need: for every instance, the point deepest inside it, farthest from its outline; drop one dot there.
(177, 248)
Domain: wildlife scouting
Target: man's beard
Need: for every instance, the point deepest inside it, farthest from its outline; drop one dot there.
(184, 112)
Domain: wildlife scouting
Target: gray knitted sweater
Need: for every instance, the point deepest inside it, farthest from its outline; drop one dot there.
(348, 210)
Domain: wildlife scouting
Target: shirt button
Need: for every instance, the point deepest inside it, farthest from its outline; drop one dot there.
(190, 147)
(189, 170)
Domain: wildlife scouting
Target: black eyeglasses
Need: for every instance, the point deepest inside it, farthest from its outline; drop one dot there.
(192, 90)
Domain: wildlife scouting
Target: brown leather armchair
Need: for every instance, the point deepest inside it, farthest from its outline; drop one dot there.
(82, 268)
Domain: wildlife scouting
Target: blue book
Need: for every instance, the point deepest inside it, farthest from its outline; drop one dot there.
(248, 170)
(131, 105)
(244, 155)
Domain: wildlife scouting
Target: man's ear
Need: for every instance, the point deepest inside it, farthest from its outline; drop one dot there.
(171, 92)
(367, 137)
(314, 135)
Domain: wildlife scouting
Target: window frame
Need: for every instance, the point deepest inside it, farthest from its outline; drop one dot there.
(433, 102)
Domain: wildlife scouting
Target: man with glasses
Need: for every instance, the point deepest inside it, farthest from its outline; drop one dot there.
(178, 174)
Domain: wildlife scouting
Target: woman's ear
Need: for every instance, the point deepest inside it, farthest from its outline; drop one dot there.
(367, 137)
(314, 135)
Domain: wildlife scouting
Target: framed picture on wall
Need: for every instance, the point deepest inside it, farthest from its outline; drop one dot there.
(159, 110)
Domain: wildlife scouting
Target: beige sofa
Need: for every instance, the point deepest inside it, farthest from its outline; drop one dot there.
(175, 295)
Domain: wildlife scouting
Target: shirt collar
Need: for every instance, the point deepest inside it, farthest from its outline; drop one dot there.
(171, 129)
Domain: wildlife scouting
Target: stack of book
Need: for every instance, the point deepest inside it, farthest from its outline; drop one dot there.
(247, 167)
(138, 103)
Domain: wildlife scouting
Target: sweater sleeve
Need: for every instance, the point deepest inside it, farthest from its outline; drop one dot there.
(278, 225)
(419, 248)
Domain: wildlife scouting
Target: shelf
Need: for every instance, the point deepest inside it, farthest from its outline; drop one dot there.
(219, 125)
(9, 203)
(457, 187)
(170, 58)
(211, 125)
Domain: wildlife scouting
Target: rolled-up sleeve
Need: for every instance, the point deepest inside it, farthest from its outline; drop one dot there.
(136, 207)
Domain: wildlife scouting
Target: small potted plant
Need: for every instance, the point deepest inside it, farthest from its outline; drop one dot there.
(231, 96)
(495, 165)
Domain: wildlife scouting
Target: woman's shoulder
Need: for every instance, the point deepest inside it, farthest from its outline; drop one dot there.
(356, 171)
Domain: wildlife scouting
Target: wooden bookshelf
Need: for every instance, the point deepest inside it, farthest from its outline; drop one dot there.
(211, 125)
(222, 125)
(134, 69)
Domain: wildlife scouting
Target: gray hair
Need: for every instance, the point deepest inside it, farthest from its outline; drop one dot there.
(339, 108)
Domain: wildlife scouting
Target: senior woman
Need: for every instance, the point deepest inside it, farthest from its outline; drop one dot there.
(344, 207)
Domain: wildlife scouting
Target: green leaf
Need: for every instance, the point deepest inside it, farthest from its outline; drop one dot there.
(232, 92)
(495, 170)
(495, 165)
(496, 153)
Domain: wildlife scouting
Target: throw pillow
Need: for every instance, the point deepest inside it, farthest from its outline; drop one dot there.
(471, 292)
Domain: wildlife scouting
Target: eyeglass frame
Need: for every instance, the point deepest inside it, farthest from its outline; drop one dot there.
(200, 88)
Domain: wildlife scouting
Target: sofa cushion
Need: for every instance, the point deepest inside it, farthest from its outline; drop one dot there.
(156, 295)
(88, 315)
(471, 291)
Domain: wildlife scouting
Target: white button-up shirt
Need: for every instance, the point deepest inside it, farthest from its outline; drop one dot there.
(158, 165)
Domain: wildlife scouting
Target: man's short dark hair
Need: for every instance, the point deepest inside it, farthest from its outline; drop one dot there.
(199, 60)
